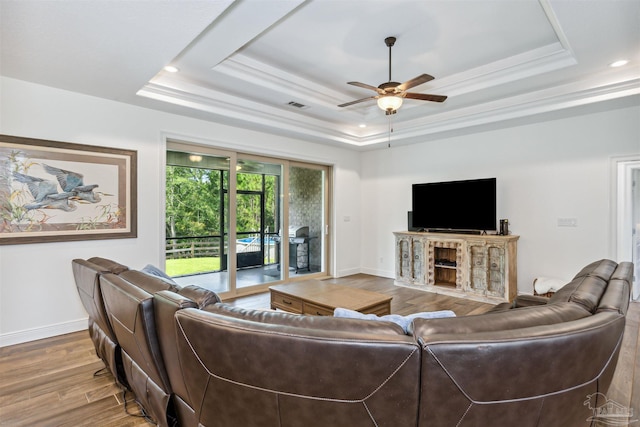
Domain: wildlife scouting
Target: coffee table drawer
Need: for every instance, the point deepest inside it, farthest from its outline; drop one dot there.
(286, 303)
(379, 309)
(316, 310)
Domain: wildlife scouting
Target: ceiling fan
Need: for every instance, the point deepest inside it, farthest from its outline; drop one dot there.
(391, 94)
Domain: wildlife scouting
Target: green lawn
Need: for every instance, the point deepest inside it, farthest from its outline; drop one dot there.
(184, 266)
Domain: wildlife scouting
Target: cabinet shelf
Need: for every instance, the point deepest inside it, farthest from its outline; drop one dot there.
(452, 267)
(446, 284)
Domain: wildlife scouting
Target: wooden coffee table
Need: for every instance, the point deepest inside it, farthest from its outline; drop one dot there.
(320, 298)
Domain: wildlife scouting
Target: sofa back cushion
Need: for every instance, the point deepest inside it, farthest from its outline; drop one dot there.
(86, 275)
(130, 310)
(326, 323)
(165, 305)
(201, 296)
(588, 285)
(109, 265)
(603, 269)
(243, 371)
(517, 318)
(146, 282)
(616, 297)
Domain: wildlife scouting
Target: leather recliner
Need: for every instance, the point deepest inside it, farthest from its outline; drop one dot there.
(86, 274)
(130, 310)
(131, 307)
(533, 365)
(165, 305)
(252, 368)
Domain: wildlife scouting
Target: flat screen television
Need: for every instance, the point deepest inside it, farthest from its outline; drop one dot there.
(464, 206)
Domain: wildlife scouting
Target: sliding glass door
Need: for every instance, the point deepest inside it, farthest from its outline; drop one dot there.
(229, 226)
(197, 218)
(308, 218)
(258, 221)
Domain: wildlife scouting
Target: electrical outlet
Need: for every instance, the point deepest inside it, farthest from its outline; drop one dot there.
(567, 222)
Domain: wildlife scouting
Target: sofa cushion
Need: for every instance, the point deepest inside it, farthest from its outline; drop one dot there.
(152, 270)
(585, 290)
(616, 297)
(201, 296)
(517, 318)
(150, 284)
(402, 321)
(108, 265)
(624, 271)
(303, 321)
(602, 269)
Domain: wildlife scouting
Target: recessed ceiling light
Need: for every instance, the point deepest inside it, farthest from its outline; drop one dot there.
(171, 69)
(362, 125)
(619, 63)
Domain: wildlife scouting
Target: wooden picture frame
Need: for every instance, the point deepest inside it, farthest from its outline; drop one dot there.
(53, 191)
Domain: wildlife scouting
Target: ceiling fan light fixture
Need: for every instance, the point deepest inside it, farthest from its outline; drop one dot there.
(389, 103)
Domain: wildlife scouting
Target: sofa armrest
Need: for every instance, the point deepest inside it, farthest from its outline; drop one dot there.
(529, 300)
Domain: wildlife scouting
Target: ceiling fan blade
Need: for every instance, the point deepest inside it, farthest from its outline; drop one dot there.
(425, 97)
(357, 101)
(365, 86)
(415, 82)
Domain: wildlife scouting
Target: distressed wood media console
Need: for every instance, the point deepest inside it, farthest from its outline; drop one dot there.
(481, 267)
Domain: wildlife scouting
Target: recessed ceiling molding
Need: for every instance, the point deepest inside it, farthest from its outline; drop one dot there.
(261, 74)
(225, 36)
(518, 67)
(258, 115)
(515, 107)
(560, 97)
(555, 24)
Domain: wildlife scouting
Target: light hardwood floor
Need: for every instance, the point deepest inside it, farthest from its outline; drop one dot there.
(51, 382)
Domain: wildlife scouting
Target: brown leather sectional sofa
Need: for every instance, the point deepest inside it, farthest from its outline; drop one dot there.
(194, 361)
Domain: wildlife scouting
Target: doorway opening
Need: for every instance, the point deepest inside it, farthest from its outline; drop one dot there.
(626, 204)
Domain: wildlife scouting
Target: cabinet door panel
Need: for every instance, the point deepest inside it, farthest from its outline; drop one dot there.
(405, 259)
(478, 256)
(496, 271)
(418, 260)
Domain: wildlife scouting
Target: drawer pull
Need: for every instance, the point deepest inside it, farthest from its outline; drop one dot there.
(319, 314)
(287, 302)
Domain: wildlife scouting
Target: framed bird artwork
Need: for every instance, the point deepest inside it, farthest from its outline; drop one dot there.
(52, 191)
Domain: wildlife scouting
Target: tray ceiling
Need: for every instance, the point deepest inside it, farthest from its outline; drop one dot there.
(283, 66)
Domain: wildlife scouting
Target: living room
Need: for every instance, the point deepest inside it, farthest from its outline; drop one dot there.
(560, 164)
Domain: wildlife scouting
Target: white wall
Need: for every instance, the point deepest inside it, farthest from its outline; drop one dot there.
(545, 171)
(37, 292)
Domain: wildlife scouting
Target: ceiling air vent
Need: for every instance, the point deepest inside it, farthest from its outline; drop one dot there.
(297, 105)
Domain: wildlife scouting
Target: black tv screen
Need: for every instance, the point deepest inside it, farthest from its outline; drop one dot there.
(468, 205)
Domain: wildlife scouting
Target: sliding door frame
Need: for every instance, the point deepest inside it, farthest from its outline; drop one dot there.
(180, 144)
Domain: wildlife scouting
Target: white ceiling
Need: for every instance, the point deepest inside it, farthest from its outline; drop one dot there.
(241, 62)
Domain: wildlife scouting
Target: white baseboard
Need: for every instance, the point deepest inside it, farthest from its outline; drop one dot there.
(347, 272)
(27, 335)
(380, 273)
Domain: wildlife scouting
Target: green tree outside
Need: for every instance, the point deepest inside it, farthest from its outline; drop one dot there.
(193, 208)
